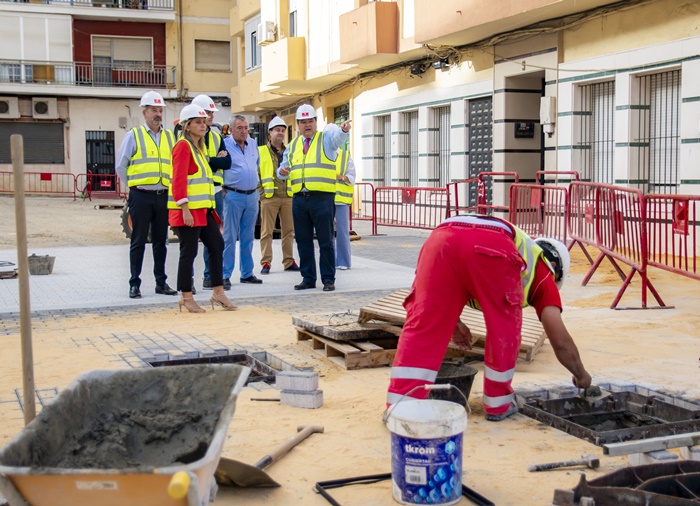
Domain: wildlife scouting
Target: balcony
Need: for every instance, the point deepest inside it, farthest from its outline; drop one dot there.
(158, 10)
(369, 36)
(285, 65)
(71, 74)
(252, 96)
(457, 22)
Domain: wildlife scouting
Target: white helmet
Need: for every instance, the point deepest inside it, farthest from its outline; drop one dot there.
(305, 111)
(152, 98)
(205, 102)
(557, 254)
(275, 122)
(191, 111)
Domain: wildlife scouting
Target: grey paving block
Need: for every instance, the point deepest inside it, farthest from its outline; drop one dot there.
(307, 400)
(304, 381)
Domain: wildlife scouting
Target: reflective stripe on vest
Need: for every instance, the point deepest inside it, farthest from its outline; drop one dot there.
(313, 170)
(267, 173)
(200, 186)
(213, 148)
(150, 164)
(530, 252)
(343, 190)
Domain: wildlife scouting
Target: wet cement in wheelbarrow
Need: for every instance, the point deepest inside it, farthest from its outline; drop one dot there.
(128, 419)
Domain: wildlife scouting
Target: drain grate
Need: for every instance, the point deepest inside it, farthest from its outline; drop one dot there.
(623, 416)
(260, 371)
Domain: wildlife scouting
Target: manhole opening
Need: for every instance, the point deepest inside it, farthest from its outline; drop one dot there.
(623, 416)
(260, 371)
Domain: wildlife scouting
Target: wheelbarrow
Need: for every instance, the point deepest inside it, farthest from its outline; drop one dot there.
(115, 438)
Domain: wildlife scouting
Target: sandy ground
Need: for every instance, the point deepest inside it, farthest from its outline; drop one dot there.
(657, 348)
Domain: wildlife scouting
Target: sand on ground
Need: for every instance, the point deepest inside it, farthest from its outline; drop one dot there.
(654, 347)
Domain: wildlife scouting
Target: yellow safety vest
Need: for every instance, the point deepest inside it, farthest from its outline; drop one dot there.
(151, 164)
(200, 186)
(343, 190)
(213, 148)
(530, 252)
(313, 170)
(267, 173)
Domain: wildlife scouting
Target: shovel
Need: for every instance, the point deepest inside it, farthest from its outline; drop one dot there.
(234, 473)
(594, 393)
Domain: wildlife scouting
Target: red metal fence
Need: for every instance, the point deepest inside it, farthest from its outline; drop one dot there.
(100, 186)
(541, 211)
(363, 205)
(46, 183)
(672, 228)
(410, 207)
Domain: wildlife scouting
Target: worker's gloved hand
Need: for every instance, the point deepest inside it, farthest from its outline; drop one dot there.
(462, 336)
(583, 380)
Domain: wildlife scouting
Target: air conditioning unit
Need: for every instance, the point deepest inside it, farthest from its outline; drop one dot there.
(9, 107)
(266, 33)
(44, 108)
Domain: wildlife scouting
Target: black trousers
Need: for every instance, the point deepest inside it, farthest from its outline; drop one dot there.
(314, 212)
(148, 211)
(212, 239)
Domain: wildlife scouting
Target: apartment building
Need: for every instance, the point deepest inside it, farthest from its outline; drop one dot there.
(442, 90)
(72, 73)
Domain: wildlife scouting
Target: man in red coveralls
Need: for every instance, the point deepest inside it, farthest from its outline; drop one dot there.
(491, 265)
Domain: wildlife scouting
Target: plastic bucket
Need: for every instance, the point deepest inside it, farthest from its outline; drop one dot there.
(458, 374)
(426, 451)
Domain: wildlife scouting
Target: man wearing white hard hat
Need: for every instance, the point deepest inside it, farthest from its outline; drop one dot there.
(491, 265)
(275, 199)
(144, 164)
(219, 161)
(309, 163)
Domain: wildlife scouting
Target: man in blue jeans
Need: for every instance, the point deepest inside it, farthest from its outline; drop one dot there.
(241, 199)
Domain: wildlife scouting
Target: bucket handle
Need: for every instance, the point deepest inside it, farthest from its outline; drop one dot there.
(441, 386)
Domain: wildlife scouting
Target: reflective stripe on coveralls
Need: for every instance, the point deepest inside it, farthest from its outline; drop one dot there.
(267, 173)
(343, 191)
(150, 164)
(312, 170)
(200, 187)
(440, 291)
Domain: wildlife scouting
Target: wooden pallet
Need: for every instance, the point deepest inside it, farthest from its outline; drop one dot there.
(343, 327)
(390, 309)
(351, 354)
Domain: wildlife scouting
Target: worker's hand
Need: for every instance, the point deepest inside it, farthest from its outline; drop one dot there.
(222, 154)
(187, 217)
(583, 381)
(344, 179)
(462, 336)
(345, 126)
(284, 171)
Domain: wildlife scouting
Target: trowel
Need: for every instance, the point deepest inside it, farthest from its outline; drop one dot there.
(594, 393)
(234, 473)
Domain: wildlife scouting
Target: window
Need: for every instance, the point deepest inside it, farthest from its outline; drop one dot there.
(409, 157)
(479, 143)
(123, 52)
(659, 100)
(12, 73)
(253, 52)
(383, 149)
(293, 18)
(212, 55)
(341, 114)
(45, 139)
(597, 130)
(441, 147)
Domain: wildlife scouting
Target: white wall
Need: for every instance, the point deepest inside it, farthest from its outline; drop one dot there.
(41, 37)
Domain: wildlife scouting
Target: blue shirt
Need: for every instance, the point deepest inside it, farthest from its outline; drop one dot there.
(333, 139)
(243, 174)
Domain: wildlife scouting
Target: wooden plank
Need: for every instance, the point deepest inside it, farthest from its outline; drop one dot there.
(652, 444)
(340, 327)
(350, 354)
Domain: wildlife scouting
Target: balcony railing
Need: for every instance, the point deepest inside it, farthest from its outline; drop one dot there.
(86, 74)
(166, 5)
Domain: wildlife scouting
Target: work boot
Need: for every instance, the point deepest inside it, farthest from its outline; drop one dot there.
(265, 268)
(206, 284)
(512, 409)
(293, 267)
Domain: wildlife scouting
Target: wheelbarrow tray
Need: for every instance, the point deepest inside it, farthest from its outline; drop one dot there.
(117, 437)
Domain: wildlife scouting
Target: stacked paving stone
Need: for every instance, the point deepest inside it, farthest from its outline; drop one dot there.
(299, 389)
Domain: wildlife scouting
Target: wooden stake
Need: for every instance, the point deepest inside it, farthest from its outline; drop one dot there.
(25, 309)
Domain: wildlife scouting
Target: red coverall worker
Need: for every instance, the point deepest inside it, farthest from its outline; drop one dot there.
(491, 265)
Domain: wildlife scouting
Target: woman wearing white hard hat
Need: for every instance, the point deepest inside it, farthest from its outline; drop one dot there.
(191, 210)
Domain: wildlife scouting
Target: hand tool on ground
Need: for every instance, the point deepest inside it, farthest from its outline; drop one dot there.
(233, 473)
(585, 460)
(594, 393)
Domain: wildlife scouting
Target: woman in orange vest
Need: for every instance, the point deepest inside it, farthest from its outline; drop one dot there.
(192, 211)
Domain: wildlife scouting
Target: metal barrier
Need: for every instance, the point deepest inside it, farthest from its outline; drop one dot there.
(100, 186)
(541, 211)
(482, 207)
(619, 217)
(458, 193)
(363, 205)
(672, 227)
(582, 205)
(410, 207)
(556, 177)
(47, 183)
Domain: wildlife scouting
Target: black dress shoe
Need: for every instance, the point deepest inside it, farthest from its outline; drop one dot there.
(251, 279)
(293, 267)
(227, 284)
(134, 292)
(304, 286)
(328, 287)
(165, 290)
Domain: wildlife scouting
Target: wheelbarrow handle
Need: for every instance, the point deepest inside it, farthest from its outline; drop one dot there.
(304, 432)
